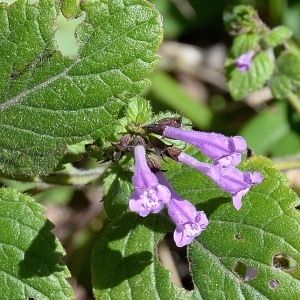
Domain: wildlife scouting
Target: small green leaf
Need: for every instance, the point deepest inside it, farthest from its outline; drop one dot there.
(31, 264)
(49, 101)
(70, 8)
(277, 36)
(241, 19)
(117, 190)
(260, 236)
(242, 83)
(243, 44)
(288, 63)
(139, 111)
(281, 86)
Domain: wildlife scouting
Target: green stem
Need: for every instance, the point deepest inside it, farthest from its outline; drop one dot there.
(295, 101)
(70, 177)
(287, 163)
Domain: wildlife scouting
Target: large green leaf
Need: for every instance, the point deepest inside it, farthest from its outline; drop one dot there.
(49, 101)
(256, 236)
(30, 258)
(261, 236)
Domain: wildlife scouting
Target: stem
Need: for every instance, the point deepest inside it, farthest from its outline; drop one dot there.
(287, 163)
(295, 101)
(68, 177)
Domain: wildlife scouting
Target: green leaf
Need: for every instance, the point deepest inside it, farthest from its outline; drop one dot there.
(288, 64)
(241, 19)
(263, 230)
(243, 44)
(125, 263)
(261, 236)
(70, 8)
(31, 264)
(277, 36)
(139, 111)
(117, 190)
(242, 83)
(281, 86)
(49, 101)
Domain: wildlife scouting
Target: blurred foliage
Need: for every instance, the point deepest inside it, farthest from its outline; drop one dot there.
(185, 16)
(198, 23)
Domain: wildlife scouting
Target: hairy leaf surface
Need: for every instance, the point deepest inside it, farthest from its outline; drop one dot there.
(31, 265)
(49, 101)
(248, 254)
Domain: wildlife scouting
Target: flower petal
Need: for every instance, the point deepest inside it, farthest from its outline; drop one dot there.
(184, 234)
(224, 150)
(149, 201)
(244, 62)
(143, 177)
(149, 196)
(189, 222)
(230, 179)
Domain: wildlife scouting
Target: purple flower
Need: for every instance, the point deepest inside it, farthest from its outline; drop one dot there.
(238, 183)
(244, 62)
(149, 196)
(230, 179)
(224, 150)
(189, 222)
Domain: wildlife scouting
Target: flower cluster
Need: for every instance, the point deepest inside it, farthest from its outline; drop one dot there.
(226, 153)
(153, 192)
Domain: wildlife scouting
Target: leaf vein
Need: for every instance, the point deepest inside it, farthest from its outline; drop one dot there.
(19, 97)
(28, 284)
(31, 132)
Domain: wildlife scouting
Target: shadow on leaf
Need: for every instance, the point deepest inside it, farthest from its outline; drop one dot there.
(40, 259)
(122, 249)
(120, 268)
(211, 205)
